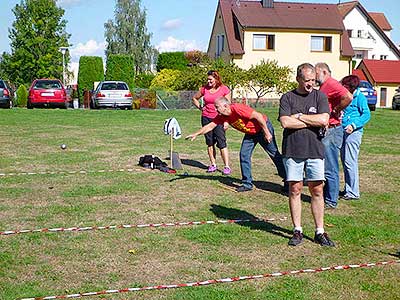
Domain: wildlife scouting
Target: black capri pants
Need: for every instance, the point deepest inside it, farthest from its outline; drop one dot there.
(215, 136)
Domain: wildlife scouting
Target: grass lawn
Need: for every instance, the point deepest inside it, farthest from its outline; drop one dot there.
(45, 264)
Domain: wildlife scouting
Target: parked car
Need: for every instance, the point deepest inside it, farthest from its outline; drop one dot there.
(370, 93)
(47, 92)
(112, 94)
(396, 99)
(6, 95)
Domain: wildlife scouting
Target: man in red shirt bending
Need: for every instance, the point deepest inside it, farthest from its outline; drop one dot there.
(257, 129)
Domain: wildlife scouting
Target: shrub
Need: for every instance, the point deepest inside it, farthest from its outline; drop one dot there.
(166, 79)
(91, 70)
(22, 96)
(143, 81)
(121, 67)
(172, 60)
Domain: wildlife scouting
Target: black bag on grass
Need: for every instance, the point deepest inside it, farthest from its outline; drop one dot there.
(151, 162)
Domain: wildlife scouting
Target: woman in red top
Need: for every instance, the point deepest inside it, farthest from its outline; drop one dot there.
(210, 92)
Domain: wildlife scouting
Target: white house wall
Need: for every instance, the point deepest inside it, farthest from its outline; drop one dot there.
(376, 46)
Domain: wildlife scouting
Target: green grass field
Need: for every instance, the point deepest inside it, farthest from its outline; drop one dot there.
(46, 264)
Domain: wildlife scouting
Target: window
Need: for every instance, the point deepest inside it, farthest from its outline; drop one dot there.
(263, 42)
(350, 32)
(359, 33)
(220, 45)
(321, 43)
(383, 57)
(359, 56)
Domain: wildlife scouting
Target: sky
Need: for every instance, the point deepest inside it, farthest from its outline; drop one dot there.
(175, 25)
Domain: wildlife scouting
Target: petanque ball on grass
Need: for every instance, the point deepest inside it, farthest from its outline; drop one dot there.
(63, 146)
(186, 174)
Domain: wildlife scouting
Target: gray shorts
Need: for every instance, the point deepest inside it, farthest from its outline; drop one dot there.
(312, 169)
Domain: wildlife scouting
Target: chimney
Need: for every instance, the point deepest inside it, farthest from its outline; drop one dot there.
(268, 3)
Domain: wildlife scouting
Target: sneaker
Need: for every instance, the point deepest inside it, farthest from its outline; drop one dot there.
(348, 198)
(243, 188)
(323, 239)
(226, 171)
(211, 169)
(330, 206)
(296, 239)
(341, 194)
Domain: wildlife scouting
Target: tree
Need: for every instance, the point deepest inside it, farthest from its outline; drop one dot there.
(268, 77)
(36, 36)
(128, 34)
(195, 57)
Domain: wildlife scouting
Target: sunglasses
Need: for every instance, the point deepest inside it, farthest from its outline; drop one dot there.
(211, 72)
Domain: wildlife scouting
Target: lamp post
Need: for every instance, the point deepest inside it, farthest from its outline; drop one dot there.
(63, 50)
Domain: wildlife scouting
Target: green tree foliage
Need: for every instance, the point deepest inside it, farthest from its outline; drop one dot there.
(144, 80)
(166, 79)
(232, 76)
(90, 71)
(192, 78)
(3, 66)
(268, 77)
(36, 36)
(127, 34)
(120, 67)
(172, 60)
(22, 96)
(195, 57)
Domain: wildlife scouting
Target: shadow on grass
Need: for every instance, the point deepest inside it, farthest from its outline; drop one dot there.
(194, 163)
(230, 182)
(228, 213)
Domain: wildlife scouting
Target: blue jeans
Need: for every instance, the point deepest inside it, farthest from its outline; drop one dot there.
(332, 144)
(246, 150)
(349, 156)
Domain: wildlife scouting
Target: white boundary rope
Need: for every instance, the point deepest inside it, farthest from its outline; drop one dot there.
(71, 172)
(174, 224)
(215, 281)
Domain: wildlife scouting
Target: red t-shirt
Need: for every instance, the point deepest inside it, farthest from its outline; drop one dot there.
(334, 91)
(240, 119)
(209, 99)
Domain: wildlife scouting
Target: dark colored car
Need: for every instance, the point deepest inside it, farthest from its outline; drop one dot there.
(46, 93)
(112, 94)
(6, 95)
(396, 99)
(370, 93)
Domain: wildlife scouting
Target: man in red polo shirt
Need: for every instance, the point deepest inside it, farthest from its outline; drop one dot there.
(258, 129)
(338, 98)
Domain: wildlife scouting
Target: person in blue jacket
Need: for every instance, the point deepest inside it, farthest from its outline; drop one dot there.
(355, 116)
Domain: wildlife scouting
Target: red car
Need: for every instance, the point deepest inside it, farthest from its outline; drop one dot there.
(47, 92)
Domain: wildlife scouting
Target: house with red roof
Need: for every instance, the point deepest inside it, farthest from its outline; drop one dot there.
(384, 75)
(369, 33)
(246, 32)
